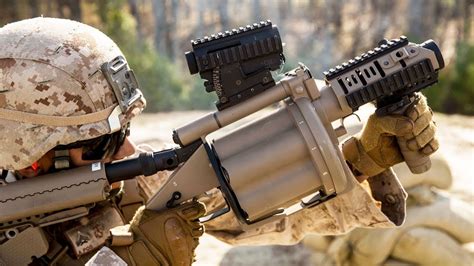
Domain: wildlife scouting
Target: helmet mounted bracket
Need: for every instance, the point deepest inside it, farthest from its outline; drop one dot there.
(123, 82)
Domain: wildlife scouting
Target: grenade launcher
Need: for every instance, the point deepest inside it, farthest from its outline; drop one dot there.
(285, 159)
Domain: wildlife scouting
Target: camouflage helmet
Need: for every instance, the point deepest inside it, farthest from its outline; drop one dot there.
(61, 82)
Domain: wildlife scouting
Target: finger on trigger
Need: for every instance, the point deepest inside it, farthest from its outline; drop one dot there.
(431, 147)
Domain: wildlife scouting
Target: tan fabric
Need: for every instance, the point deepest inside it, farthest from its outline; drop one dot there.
(131, 199)
(167, 238)
(54, 120)
(121, 236)
(170, 236)
(373, 247)
(422, 137)
(339, 215)
(428, 246)
(359, 159)
(436, 228)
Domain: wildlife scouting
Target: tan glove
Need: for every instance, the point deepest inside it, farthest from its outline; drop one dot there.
(376, 148)
(166, 238)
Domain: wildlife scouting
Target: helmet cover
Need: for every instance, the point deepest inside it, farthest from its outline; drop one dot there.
(53, 89)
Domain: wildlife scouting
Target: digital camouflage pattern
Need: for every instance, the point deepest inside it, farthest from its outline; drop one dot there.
(356, 208)
(52, 67)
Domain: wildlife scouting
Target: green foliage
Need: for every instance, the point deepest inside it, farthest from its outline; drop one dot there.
(164, 86)
(167, 86)
(455, 91)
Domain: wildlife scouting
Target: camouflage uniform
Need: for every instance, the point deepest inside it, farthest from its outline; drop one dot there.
(55, 92)
(378, 202)
(357, 208)
(66, 99)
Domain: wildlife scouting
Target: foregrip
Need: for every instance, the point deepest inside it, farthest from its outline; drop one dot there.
(417, 162)
(388, 75)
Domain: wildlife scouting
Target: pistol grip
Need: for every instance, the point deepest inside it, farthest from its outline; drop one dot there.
(416, 161)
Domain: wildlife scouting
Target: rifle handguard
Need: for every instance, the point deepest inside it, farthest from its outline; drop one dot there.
(27, 198)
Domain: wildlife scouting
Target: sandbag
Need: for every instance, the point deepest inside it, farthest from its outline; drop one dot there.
(427, 246)
(439, 175)
(374, 246)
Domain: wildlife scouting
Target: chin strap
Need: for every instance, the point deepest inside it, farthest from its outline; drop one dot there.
(61, 159)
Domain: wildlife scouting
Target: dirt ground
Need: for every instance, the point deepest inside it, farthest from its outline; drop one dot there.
(456, 135)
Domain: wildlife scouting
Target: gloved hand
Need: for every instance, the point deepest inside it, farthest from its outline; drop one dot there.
(166, 238)
(376, 147)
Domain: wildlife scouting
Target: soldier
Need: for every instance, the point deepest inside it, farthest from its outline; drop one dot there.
(62, 100)
(59, 110)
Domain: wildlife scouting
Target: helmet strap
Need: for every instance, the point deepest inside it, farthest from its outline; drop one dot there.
(61, 159)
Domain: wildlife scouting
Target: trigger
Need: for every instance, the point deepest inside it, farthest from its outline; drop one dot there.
(214, 215)
(341, 130)
(353, 114)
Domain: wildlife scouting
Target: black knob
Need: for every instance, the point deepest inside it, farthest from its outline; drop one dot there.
(192, 64)
(430, 44)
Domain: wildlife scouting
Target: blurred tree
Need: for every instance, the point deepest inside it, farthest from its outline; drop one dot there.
(133, 4)
(357, 35)
(70, 9)
(163, 86)
(284, 9)
(8, 11)
(166, 12)
(201, 25)
(34, 8)
(256, 11)
(223, 14)
(382, 15)
(455, 91)
(159, 11)
(171, 28)
(321, 33)
(333, 14)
